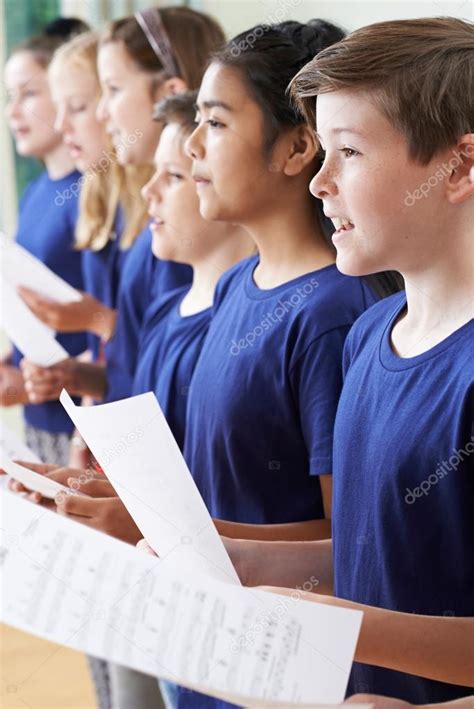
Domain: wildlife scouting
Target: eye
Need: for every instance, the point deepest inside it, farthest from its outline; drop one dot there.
(214, 124)
(349, 152)
(175, 176)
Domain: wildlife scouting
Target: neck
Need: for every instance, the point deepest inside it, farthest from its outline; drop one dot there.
(58, 162)
(444, 291)
(290, 241)
(234, 244)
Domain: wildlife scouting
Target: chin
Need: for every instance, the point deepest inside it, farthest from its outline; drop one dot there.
(353, 265)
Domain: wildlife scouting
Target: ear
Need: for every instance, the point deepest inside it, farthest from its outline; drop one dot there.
(301, 150)
(170, 87)
(460, 183)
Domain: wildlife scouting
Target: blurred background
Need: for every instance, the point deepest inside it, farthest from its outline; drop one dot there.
(35, 673)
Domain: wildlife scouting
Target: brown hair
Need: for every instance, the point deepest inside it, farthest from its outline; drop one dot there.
(106, 188)
(420, 73)
(179, 109)
(193, 37)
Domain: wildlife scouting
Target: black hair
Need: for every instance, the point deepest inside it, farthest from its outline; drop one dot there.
(268, 57)
(53, 35)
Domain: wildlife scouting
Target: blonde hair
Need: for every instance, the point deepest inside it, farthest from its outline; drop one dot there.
(108, 188)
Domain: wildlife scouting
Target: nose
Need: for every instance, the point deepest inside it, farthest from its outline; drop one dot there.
(12, 109)
(60, 122)
(151, 191)
(323, 183)
(194, 146)
(102, 113)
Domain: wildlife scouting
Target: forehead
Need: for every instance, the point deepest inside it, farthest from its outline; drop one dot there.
(79, 79)
(224, 84)
(171, 146)
(114, 60)
(22, 67)
(351, 111)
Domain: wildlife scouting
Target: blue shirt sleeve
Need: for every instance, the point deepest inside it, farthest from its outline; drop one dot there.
(316, 380)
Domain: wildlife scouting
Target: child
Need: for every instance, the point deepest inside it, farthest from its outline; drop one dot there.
(175, 327)
(398, 180)
(47, 217)
(264, 392)
(132, 78)
(263, 398)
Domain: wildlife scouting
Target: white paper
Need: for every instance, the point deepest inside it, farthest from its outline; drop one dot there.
(68, 583)
(13, 447)
(135, 448)
(34, 481)
(20, 268)
(32, 337)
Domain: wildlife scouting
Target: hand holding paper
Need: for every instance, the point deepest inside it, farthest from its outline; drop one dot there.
(133, 444)
(97, 595)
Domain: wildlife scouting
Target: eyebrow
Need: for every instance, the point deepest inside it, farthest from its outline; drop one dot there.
(214, 104)
(336, 131)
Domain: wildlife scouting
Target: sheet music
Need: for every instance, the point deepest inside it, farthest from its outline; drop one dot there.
(133, 444)
(68, 583)
(21, 268)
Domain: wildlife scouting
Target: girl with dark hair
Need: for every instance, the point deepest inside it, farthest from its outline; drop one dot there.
(264, 393)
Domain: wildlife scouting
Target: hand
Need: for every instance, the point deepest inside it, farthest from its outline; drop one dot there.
(377, 701)
(46, 383)
(144, 546)
(106, 514)
(55, 472)
(12, 386)
(85, 314)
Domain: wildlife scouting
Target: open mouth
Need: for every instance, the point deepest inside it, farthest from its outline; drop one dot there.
(341, 224)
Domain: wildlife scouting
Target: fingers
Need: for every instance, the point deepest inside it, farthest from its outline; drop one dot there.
(39, 304)
(42, 383)
(79, 506)
(41, 468)
(94, 488)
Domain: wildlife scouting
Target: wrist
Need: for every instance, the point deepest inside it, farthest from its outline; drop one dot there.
(103, 322)
(244, 556)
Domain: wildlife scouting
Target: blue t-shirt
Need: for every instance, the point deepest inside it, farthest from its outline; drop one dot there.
(263, 399)
(403, 512)
(264, 393)
(102, 272)
(46, 224)
(169, 348)
(144, 279)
